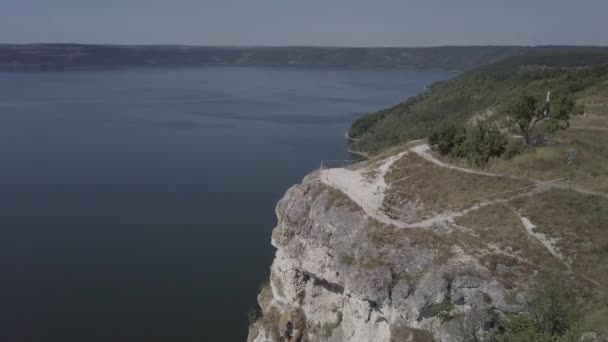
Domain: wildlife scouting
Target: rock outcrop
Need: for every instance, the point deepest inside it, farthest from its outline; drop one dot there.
(339, 275)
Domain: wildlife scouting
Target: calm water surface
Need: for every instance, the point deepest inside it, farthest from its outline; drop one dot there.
(137, 205)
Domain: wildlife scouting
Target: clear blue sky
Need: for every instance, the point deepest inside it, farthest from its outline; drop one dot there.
(306, 22)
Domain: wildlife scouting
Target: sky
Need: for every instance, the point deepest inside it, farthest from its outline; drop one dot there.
(306, 22)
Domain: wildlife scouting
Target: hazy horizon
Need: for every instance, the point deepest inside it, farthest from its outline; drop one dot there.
(341, 23)
(294, 46)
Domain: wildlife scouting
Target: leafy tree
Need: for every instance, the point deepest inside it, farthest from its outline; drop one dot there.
(478, 144)
(526, 113)
(483, 141)
(447, 138)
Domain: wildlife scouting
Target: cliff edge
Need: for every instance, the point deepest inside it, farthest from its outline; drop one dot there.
(349, 267)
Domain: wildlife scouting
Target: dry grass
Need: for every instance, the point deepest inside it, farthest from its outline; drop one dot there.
(499, 226)
(403, 333)
(338, 199)
(580, 222)
(595, 99)
(547, 162)
(596, 321)
(384, 235)
(513, 272)
(433, 187)
(589, 122)
(495, 236)
(371, 262)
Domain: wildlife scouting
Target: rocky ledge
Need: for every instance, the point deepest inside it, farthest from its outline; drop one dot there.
(340, 275)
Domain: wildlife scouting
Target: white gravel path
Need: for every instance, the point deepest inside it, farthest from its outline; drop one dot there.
(364, 189)
(423, 150)
(542, 238)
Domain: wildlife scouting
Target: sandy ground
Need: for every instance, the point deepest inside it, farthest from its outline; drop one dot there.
(364, 186)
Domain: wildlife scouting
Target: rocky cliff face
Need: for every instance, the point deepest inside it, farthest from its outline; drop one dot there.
(339, 275)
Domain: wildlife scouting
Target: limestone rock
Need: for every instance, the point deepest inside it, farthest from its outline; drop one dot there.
(340, 276)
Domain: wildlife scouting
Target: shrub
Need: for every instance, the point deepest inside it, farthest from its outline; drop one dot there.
(459, 139)
(447, 138)
(252, 315)
(443, 310)
(483, 141)
(478, 144)
(578, 109)
(513, 149)
(554, 307)
(553, 313)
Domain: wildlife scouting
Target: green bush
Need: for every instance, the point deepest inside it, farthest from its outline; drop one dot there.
(447, 138)
(513, 149)
(477, 145)
(578, 109)
(484, 141)
(443, 310)
(553, 313)
(555, 307)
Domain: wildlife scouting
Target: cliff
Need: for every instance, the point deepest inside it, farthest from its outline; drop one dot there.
(348, 268)
(339, 276)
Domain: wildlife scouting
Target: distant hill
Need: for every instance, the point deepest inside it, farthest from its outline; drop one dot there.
(79, 56)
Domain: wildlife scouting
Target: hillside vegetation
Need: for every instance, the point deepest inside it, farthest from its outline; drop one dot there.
(483, 92)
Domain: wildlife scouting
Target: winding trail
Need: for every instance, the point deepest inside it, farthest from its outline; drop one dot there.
(423, 151)
(366, 186)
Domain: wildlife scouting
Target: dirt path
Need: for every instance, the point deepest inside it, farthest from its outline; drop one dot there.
(543, 239)
(366, 186)
(424, 150)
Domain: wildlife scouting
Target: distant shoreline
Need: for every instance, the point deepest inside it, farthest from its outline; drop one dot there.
(78, 57)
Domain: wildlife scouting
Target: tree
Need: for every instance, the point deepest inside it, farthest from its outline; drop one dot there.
(478, 144)
(447, 138)
(483, 141)
(526, 113)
